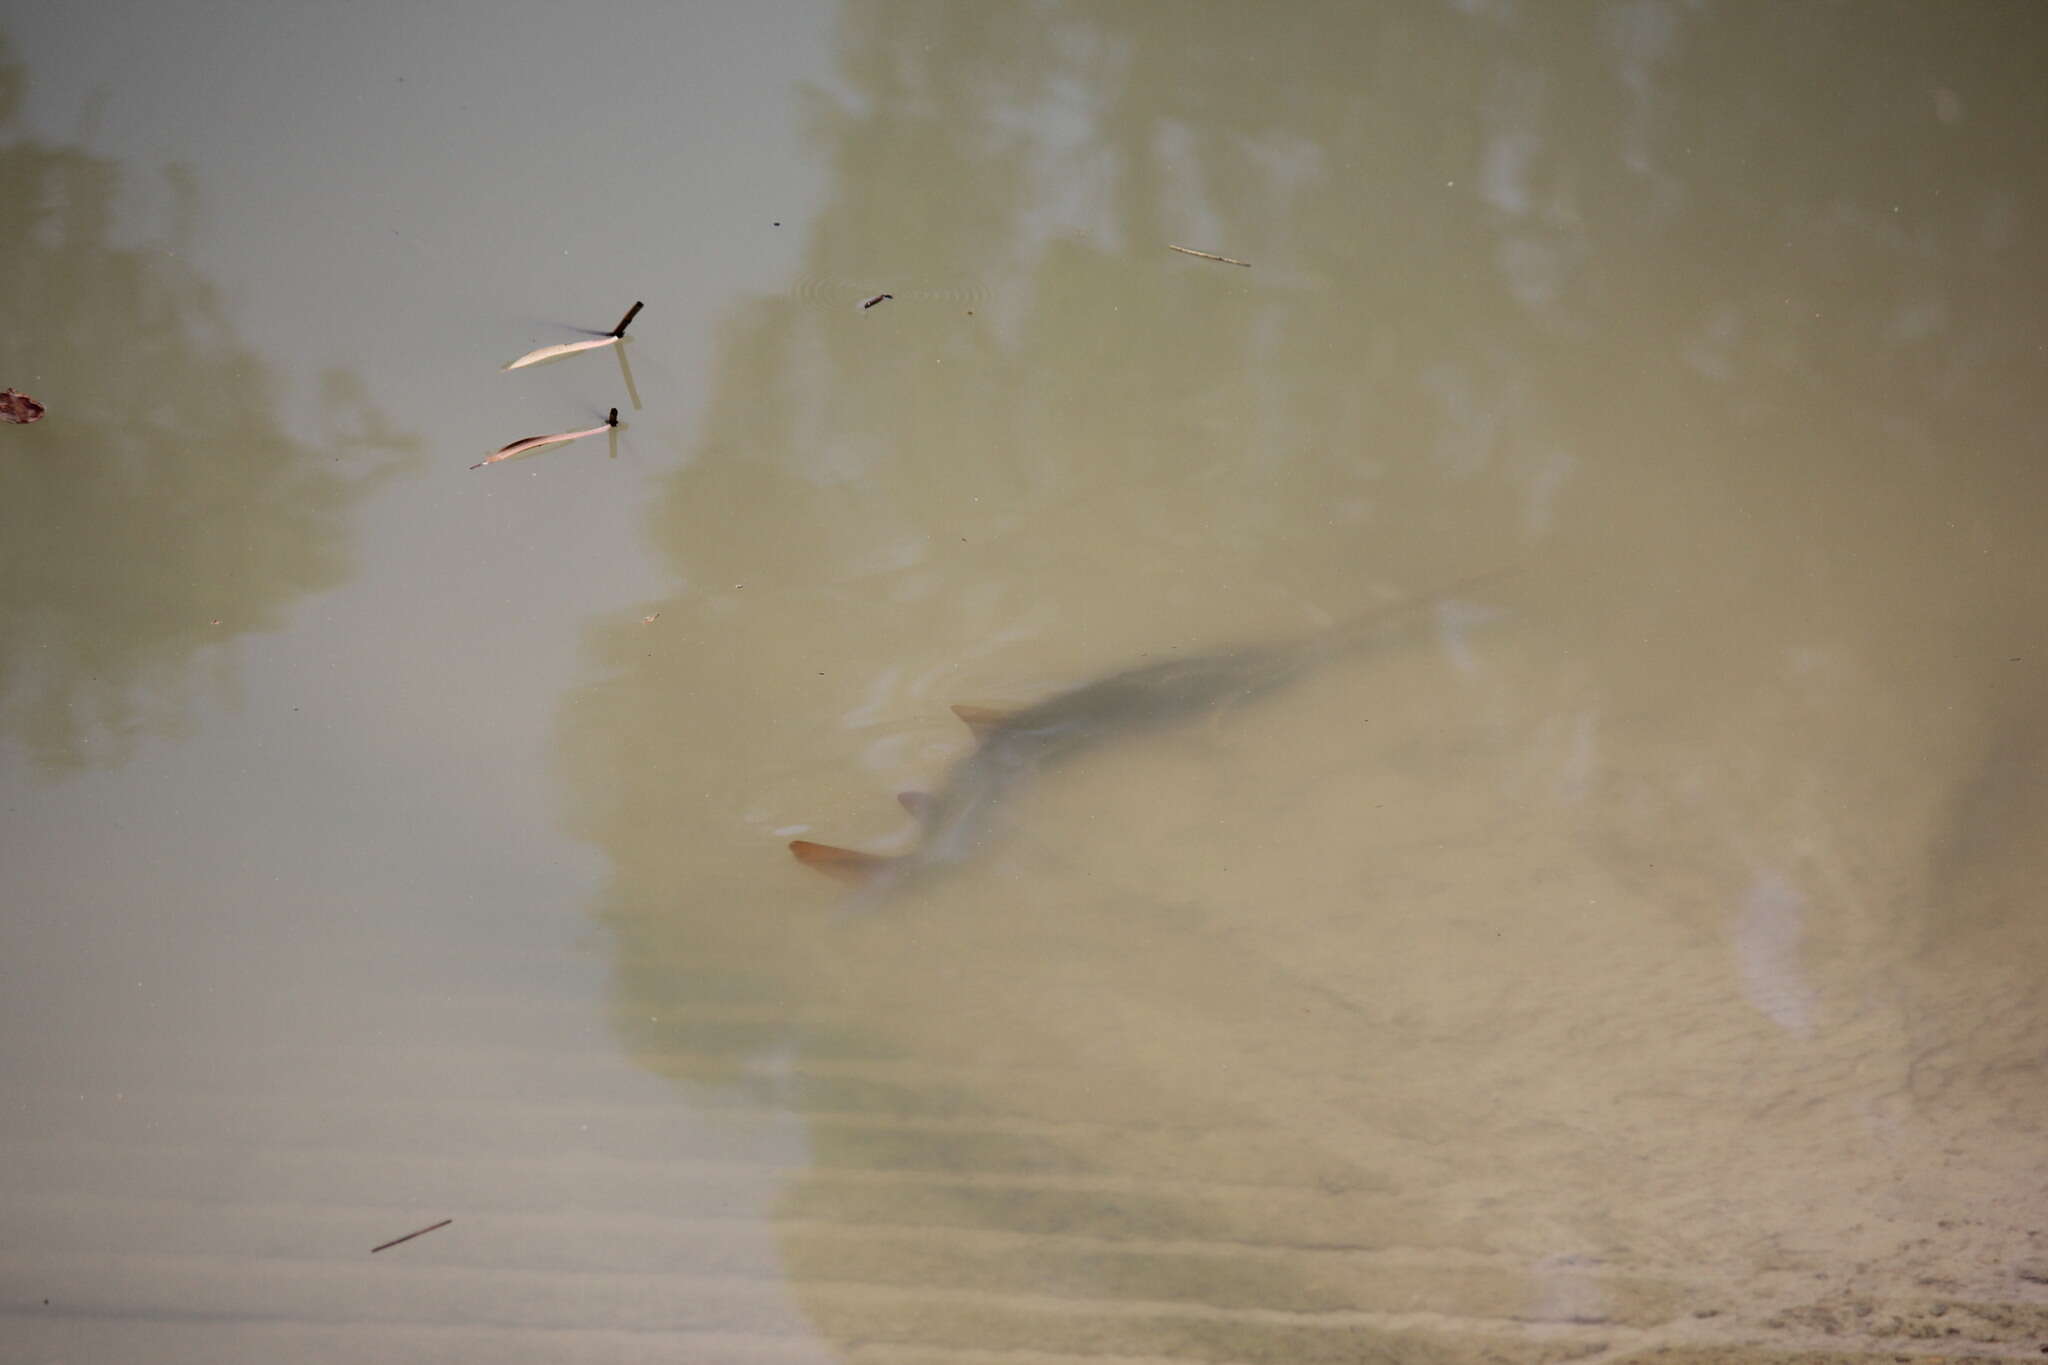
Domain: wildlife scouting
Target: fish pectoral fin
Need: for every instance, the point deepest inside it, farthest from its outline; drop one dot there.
(918, 804)
(847, 864)
(983, 719)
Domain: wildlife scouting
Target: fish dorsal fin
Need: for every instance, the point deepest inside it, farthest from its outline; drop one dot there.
(918, 804)
(847, 864)
(983, 720)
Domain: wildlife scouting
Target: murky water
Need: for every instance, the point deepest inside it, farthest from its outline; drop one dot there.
(1640, 950)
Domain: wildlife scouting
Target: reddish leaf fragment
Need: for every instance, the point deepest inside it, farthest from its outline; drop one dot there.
(19, 407)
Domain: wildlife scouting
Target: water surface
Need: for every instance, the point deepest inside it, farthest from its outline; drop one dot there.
(1640, 955)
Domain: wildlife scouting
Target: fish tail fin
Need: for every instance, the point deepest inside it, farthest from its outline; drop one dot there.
(982, 719)
(846, 864)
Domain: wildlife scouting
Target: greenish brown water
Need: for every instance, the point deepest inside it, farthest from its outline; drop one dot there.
(1642, 957)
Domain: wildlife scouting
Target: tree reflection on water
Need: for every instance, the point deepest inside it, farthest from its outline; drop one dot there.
(164, 506)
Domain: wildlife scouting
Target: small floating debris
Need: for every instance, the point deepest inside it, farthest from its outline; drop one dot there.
(613, 338)
(410, 1235)
(1207, 255)
(533, 443)
(877, 299)
(19, 407)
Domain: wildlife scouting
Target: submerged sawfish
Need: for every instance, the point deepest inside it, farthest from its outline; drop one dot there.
(1013, 746)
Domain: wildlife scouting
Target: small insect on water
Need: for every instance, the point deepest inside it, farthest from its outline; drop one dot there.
(876, 299)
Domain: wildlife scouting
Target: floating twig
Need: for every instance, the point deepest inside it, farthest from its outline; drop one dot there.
(1206, 255)
(877, 299)
(611, 338)
(19, 407)
(410, 1235)
(533, 443)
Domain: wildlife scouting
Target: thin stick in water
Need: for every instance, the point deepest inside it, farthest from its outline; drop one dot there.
(410, 1235)
(1205, 255)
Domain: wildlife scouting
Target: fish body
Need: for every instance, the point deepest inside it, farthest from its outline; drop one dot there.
(1015, 747)
(957, 820)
